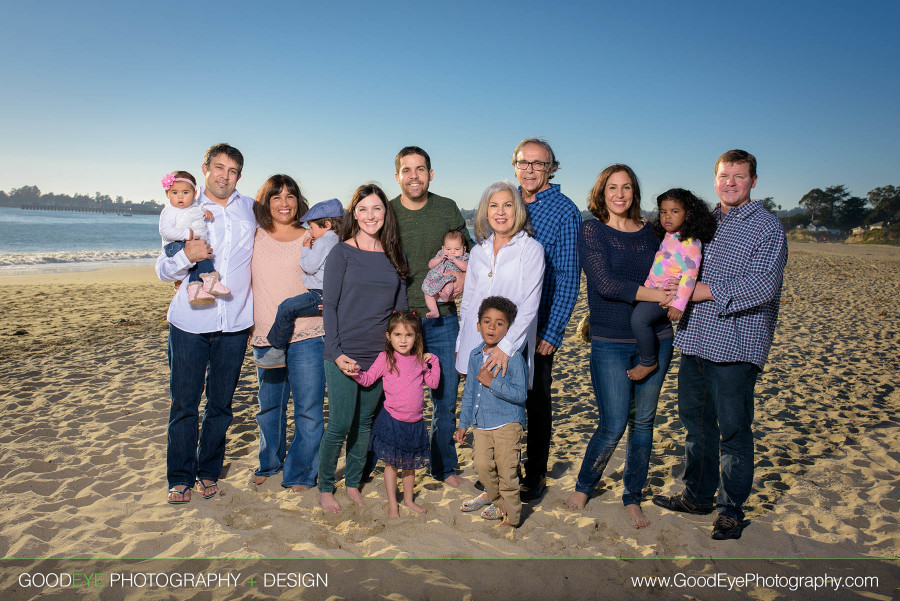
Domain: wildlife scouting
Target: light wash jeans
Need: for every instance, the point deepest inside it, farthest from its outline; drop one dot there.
(302, 378)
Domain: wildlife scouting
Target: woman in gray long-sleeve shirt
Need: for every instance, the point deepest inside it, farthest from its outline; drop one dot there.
(365, 281)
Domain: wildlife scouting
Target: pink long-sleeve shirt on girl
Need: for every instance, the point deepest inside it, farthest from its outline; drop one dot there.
(404, 397)
(680, 259)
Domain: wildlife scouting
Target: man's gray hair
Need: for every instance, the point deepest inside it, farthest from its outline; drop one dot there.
(554, 164)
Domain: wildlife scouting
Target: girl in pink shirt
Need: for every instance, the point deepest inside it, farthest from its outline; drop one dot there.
(399, 437)
(686, 223)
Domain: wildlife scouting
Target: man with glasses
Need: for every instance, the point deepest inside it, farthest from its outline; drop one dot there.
(556, 221)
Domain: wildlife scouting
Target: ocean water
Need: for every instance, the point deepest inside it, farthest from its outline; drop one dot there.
(53, 241)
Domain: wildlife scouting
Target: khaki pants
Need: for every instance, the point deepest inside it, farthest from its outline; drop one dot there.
(497, 454)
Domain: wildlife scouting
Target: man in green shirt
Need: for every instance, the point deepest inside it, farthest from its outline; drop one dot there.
(423, 219)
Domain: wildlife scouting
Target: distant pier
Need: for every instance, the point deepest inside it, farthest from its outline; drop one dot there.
(70, 209)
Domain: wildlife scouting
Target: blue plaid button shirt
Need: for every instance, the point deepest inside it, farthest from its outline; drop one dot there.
(556, 221)
(744, 268)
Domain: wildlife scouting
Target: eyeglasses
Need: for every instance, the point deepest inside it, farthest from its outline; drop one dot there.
(536, 165)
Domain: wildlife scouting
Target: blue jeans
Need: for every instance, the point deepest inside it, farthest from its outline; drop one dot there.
(197, 361)
(302, 305)
(715, 404)
(440, 335)
(303, 377)
(622, 403)
(204, 266)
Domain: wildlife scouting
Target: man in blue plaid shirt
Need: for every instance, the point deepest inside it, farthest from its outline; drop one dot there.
(555, 220)
(724, 337)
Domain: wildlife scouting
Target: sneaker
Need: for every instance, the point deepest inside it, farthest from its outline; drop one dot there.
(726, 527)
(272, 358)
(680, 503)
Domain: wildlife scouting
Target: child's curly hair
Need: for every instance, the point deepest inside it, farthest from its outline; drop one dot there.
(699, 221)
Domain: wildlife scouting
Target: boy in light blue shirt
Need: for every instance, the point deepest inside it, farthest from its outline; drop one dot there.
(494, 405)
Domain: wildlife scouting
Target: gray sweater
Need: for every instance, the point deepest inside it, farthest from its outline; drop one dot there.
(361, 291)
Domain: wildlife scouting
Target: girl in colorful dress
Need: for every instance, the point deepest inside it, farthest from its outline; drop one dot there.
(399, 437)
(685, 223)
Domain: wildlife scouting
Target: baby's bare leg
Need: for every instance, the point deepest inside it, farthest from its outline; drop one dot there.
(431, 303)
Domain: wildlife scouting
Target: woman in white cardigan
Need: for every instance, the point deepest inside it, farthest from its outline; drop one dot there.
(507, 262)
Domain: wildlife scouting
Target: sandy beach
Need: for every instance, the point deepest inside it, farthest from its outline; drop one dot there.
(85, 403)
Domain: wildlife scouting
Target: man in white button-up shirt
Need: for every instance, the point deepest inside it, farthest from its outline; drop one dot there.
(207, 343)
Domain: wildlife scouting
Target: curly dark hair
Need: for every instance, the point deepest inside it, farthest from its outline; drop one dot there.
(699, 221)
(499, 303)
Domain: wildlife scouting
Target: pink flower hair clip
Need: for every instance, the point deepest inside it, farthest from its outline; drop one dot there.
(169, 180)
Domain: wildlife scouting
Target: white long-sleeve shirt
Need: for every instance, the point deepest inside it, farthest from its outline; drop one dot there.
(517, 274)
(231, 235)
(176, 224)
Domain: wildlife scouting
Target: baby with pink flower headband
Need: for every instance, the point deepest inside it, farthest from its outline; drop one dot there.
(184, 219)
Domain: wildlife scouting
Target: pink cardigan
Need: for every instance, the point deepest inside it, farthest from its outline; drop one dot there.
(404, 397)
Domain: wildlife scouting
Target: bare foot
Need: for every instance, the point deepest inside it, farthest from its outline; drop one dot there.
(577, 500)
(415, 507)
(259, 480)
(393, 510)
(299, 488)
(507, 524)
(639, 372)
(353, 493)
(638, 520)
(432, 314)
(329, 503)
(454, 481)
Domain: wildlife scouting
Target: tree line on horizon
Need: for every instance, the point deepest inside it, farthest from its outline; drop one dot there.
(31, 195)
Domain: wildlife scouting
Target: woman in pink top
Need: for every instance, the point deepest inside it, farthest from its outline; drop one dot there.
(399, 437)
(687, 224)
(276, 276)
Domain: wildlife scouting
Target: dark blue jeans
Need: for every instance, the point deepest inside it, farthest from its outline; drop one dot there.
(197, 361)
(644, 319)
(204, 266)
(715, 404)
(302, 378)
(440, 335)
(302, 305)
(621, 404)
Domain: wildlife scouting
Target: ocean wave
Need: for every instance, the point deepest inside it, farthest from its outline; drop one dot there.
(82, 256)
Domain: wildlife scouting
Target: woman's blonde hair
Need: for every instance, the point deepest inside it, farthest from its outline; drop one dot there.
(483, 228)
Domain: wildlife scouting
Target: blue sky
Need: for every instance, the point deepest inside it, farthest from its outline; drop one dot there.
(105, 97)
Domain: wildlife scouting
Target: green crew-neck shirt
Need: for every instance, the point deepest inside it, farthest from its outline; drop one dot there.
(421, 237)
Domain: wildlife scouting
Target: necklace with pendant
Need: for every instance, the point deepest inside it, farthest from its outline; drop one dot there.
(493, 264)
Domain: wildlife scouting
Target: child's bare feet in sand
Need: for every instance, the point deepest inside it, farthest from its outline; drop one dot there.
(415, 506)
(639, 372)
(353, 493)
(577, 500)
(393, 509)
(299, 488)
(329, 503)
(638, 519)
